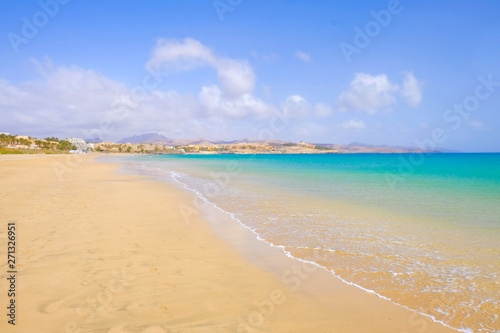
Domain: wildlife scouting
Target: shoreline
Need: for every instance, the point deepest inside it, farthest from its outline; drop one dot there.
(124, 243)
(275, 258)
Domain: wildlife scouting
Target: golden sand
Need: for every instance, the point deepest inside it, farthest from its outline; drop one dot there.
(102, 252)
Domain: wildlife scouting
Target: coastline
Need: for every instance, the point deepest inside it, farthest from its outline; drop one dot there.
(102, 251)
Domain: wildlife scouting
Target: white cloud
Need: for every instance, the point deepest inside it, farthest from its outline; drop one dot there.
(353, 124)
(175, 55)
(295, 106)
(322, 110)
(67, 94)
(236, 76)
(233, 96)
(377, 93)
(71, 101)
(412, 90)
(302, 56)
(245, 105)
(368, 93)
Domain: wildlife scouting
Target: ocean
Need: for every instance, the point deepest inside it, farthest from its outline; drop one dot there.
(422, 230)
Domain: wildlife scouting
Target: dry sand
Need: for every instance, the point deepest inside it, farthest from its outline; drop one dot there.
(102, 252)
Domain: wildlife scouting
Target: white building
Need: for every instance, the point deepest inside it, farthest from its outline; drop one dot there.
(81, 146)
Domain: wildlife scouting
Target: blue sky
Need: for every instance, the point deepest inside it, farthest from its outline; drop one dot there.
(382, 72)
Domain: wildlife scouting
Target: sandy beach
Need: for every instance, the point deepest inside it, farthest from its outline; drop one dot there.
(98, 251)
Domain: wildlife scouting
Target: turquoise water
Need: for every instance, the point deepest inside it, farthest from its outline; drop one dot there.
(421, 230)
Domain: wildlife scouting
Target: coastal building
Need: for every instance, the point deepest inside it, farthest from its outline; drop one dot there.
(80, 144)
(305, 145)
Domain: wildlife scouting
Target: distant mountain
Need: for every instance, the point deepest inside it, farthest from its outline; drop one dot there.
(411, 149)
(359, 147)
(93, 140)
(359, 144)
(161, 139)
(145, 138)
(354, 147)
(204, 142)
(195, 141)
